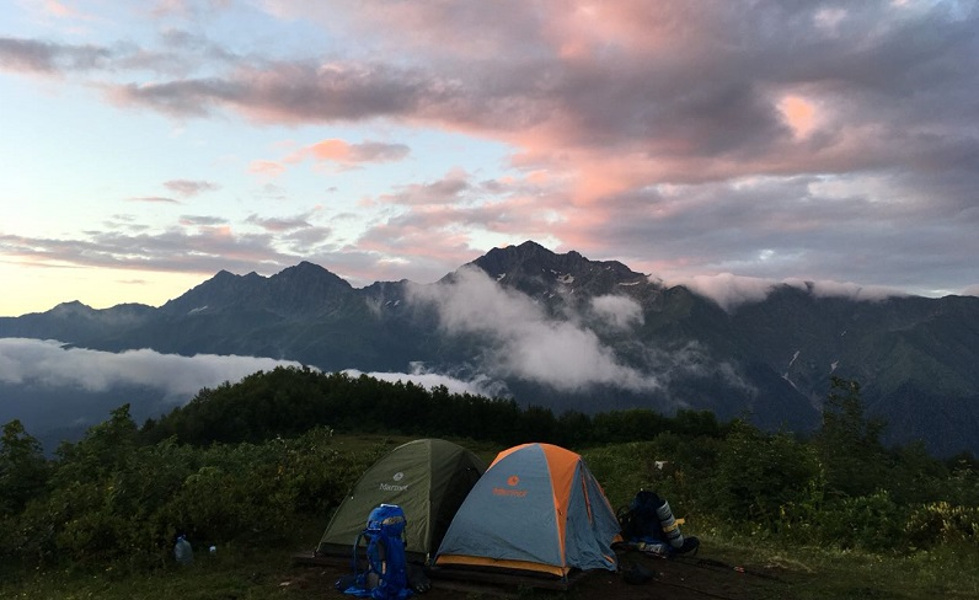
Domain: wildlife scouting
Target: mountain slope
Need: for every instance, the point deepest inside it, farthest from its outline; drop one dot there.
(562, 331)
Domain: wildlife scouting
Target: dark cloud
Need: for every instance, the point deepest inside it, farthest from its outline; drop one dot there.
(194, 97)
(448, 190)
(202, 220)
(279, 225)
(208, 250)
(378, 152)
(46, 57)
(310, 239)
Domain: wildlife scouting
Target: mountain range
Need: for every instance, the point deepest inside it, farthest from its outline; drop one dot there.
(568, 333)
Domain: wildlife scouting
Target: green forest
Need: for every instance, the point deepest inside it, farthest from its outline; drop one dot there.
(248, 463)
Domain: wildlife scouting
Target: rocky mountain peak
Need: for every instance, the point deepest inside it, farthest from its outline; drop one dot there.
(538, 272)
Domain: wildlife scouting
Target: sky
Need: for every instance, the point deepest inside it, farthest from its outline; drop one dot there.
(726, 145)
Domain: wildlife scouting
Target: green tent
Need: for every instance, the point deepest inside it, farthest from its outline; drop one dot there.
(428, 479)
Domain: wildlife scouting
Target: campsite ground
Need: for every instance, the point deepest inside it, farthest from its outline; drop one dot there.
(695, 578)
(724, 570)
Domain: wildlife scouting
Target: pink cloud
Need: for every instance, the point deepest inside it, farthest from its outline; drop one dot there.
(266, 168)
(58, 9)
(347, 155)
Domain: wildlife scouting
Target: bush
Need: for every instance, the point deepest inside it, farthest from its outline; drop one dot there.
(761, 478)
(941, 523)
(128, 509)
(874, 523)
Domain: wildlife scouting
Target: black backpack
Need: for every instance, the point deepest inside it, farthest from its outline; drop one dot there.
(639, 519)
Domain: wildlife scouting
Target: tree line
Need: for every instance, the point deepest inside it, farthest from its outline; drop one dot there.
(289, 400)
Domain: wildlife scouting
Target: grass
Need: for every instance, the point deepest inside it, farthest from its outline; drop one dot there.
(819, 573)
(251, 573)
(233, 572)
(243, 571)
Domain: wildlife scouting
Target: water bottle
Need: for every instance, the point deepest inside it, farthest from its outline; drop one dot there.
(671, 529)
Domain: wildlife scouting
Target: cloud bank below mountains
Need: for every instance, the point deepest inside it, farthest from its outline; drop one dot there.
(50, 363)
(55, 373)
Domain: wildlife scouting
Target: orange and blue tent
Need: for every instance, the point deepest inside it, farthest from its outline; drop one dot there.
(538, 509)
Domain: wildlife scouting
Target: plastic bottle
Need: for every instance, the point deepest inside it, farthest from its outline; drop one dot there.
(671, 529)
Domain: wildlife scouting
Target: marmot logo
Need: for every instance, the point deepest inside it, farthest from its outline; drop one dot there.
(387, 487)
(398, 476)
(512, 480)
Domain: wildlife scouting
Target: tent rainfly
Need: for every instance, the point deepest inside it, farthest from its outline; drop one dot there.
(537, 509)
(427, 478)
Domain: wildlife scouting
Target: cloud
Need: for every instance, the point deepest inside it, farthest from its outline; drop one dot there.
(727, 290)
(202, 221)
(35, 370)
(33, 56)
(279, 225)
(289, 92)
(524, 342)
(348, 155)
(154, 200)
(188, 188)
(49, 363)
(730, 291)
(449, 190)
(61, 11)
(267, 168)
(213, 247)
(480, 385)
(618, 311)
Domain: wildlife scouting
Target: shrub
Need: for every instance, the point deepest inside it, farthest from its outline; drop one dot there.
(873, 522)
(759, 476)
(940, 523)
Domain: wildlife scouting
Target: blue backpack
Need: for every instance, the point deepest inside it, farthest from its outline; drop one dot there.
(385, 576)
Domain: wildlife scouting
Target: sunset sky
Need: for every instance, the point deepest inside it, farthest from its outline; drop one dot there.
(144, 146)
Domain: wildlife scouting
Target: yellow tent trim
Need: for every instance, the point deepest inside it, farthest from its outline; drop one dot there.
(522, 565)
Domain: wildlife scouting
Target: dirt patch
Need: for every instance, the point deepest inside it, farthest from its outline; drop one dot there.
(681, 578)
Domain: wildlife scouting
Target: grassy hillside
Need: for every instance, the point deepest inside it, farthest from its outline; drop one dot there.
(834, 516)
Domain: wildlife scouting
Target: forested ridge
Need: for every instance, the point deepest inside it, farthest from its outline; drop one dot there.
(288, 401)
(247, 462)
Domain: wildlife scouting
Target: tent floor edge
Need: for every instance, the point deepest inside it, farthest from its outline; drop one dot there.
(501, 577)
